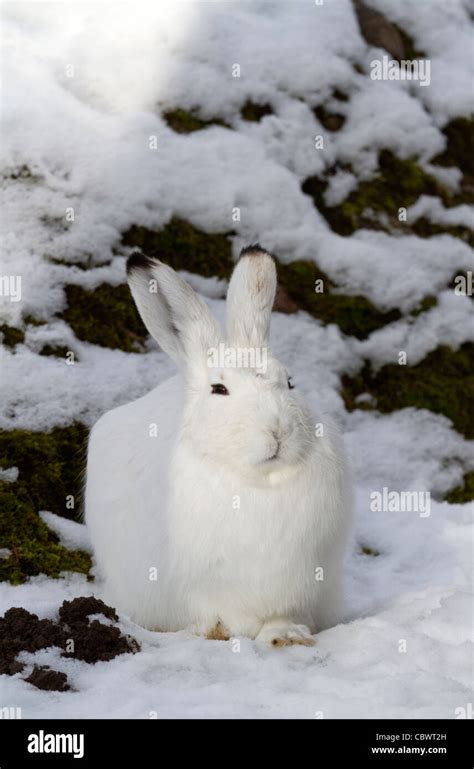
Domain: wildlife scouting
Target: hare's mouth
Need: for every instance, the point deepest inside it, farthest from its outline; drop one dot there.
(274, 456)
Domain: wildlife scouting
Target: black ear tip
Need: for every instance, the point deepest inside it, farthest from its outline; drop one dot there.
(254, 248)
(139, 261)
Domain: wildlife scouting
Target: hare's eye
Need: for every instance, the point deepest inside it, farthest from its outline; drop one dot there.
(219, 389)
(290, 383)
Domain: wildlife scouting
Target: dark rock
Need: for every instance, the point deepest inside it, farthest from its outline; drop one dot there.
(255, 112)
(378, 31)
(284, 302)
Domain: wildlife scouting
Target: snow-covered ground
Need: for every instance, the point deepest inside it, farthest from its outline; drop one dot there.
(404, 649)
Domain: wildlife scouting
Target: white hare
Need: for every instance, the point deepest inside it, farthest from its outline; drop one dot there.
(211, 502)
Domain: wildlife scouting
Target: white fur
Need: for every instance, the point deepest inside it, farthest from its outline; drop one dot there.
(235, 535)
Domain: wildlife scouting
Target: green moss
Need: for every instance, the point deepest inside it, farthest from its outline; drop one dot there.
(463, 493)
(57, 351)
(459, 152)
(22, 173)
(424, 228)
(443, 382)
(11, 336)
(56, 223)
(426, 304)
(106, 316)
(255, 112)
(50, 466)
(184, 122)
(30, 320)
(185, 247)
(331, 121)
(87, 263)
(365, 550)
(355, 315)
(459, 134)
(35, 549)
(398, 184)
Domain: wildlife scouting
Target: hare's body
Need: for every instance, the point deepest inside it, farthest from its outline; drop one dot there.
(210, 512)
(126, 519)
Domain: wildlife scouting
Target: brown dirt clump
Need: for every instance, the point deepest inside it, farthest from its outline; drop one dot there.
(79, 609)
(22, 631)
(50, 680)
(75, 634)
(95, 642)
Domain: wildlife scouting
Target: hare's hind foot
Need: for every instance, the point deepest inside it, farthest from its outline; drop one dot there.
(217, 632)
(285, 633)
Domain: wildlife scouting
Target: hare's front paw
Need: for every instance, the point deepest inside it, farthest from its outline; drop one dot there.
(215, 632)
(285, 633)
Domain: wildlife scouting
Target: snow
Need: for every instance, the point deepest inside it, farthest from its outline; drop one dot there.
(444, 33)
(70, 533)
(436, 212)
(355, 670)
(87, 138)
(450, 322)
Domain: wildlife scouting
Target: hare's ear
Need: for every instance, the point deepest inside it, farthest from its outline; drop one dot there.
(250, 297)
(173, 313)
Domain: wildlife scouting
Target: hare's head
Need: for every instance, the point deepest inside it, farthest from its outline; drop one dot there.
(241, 407)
